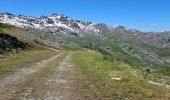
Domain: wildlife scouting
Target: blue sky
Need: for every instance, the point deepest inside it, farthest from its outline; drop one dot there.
(145, 15)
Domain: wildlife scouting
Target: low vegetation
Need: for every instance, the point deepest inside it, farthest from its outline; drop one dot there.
(19, 33)
(9, 43)
(71, 48)
(2, 25)
(101, 70)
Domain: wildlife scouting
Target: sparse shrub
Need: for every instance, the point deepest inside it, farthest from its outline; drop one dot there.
(71, 48)
(108, 58)
(1, 31)
(9, 43)
(2, 25)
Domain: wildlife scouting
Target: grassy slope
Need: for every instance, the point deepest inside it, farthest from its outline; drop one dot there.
(21, 34)
(115, 48)
(100, 69)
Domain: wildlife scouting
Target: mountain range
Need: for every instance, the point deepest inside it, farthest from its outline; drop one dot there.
(64, 25)
(55, 23)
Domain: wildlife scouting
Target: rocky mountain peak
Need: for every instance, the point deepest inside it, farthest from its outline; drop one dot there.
(6, 13)
(104, 27)
(119, 27)
(84, 22)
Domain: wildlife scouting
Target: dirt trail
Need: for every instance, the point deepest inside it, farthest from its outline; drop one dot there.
(8, 84)
(62, 85)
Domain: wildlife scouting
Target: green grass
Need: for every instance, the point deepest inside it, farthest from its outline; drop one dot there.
(19, 33)
(71, 48)
(2, 25)
(23, 59)
(164, 71)
(114, 49)
(114, 43)
(1, 31)
(165, 52)
(99, 69)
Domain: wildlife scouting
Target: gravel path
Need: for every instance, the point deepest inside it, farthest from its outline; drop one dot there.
(8, 83)
(61, 86)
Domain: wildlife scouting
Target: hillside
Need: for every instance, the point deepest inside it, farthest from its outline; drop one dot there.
(10, 43)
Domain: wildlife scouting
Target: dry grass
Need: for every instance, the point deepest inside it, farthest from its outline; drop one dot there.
(21, 34)
(23, 59)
